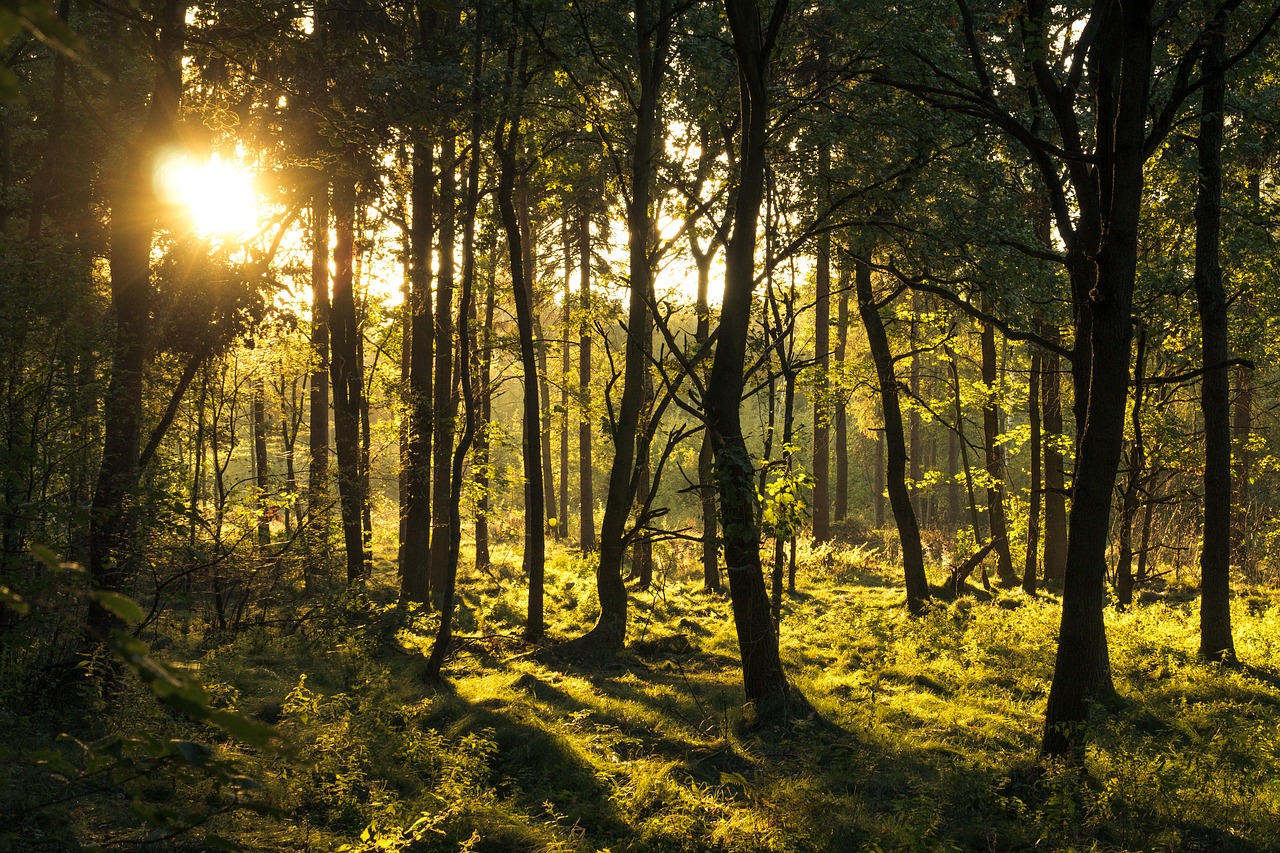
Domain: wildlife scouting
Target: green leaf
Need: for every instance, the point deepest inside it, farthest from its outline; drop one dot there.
(121, 606)
(242, 728)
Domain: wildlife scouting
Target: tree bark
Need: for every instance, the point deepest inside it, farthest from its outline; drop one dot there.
(1216, 642)
(822, 393)
(764, 682)
(904, 513)
(1055, 493)
(1035, 474)
(506, 144)
(347, 375)
(415, 573)
(841, 509)
(133, 216)
(586, 486)
(996, 523)
(444, 396)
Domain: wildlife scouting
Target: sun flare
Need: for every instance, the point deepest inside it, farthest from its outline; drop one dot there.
(217, 197)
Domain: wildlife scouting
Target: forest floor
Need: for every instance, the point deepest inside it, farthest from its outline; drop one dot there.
(925, 735)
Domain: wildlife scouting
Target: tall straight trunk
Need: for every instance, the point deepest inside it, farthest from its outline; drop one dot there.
(996, 524)
(348, 376)
(132, 226)
(915, 446)
(706, 456)
(1216, 642)
(260, 458)
(822, 352)
(318, 400)
(1055, 493)
(415, 574)
(586, 486)
(444, 397)
(48, 184)
(524, 213)
(953, 367)
(466, 310)
(1133, 480)
(565, 366)
(904, 513)
(842, 408)
(507, 143)
(481, 458)
(1241, 427)
(764, 681)
(877, 500)
(954, 501)
(652, 32)
(366, 450)
(1102, 277)
(1035, 475)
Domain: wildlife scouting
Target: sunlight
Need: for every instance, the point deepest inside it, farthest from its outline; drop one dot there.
(216, 197)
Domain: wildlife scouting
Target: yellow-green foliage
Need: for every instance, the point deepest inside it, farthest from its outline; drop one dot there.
(925, 738)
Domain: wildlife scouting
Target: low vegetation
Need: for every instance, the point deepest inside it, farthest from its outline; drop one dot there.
(924, 734)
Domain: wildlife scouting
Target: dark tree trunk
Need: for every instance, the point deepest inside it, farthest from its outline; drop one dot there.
(764, 682)
(132, 225)
(565, 367)
(260, 458)
(842, 413)
(586, 486)
(347, 375)
(1216, 642)
(630, 440)
(507, 141)
(1055, 493)
(1033, 511)
(318, 423)
(996, 523)
(415, 574)
(481, 458)
(904, 513)
(1241, 427)
(444, 396)
(822, 352)
(1133, 480)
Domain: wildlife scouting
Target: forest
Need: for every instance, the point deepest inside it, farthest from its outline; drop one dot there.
(639, 425)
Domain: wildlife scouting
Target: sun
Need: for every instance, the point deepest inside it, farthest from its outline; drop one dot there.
(216, 196)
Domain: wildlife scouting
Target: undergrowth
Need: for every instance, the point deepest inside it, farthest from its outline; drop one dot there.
(924, 739)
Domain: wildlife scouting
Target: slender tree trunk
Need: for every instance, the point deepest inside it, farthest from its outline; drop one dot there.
(877, 500)
(415, 573)
(764, 682)
(822, 393)
(565, 368)
(507, 143)
(630, 440)
(1241, 427)
(1133, 481)
(444, 396)
(132, 226)
(481, 459)
(915, 446)
(1055, 493)
(1033, 511)
(348, 376)
(1216, 642)
(842, 413)
(586, 485)
(904, 513)
(260, 458)
(996, 523)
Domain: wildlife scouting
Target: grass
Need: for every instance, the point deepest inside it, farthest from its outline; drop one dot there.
(925, 739)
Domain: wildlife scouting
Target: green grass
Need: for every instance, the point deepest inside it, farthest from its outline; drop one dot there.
(925, 738)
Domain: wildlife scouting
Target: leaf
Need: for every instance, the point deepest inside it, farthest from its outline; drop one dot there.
(243, 729)
(120, 606)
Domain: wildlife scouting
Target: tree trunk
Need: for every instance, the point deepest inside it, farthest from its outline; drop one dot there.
(1133, 481)
(1033, 511)
(586, 486)
(822, 393)
(996, 523)
(630, 440)
(132, 226)
(506, 144)
(565, 366)
(444, 396)
(415, 573)
(842, 413)
(260, 458)
(347, 375)
(904, 513)
(480, 463)
(764, 682)
(1216, 642)
(1055, 493)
